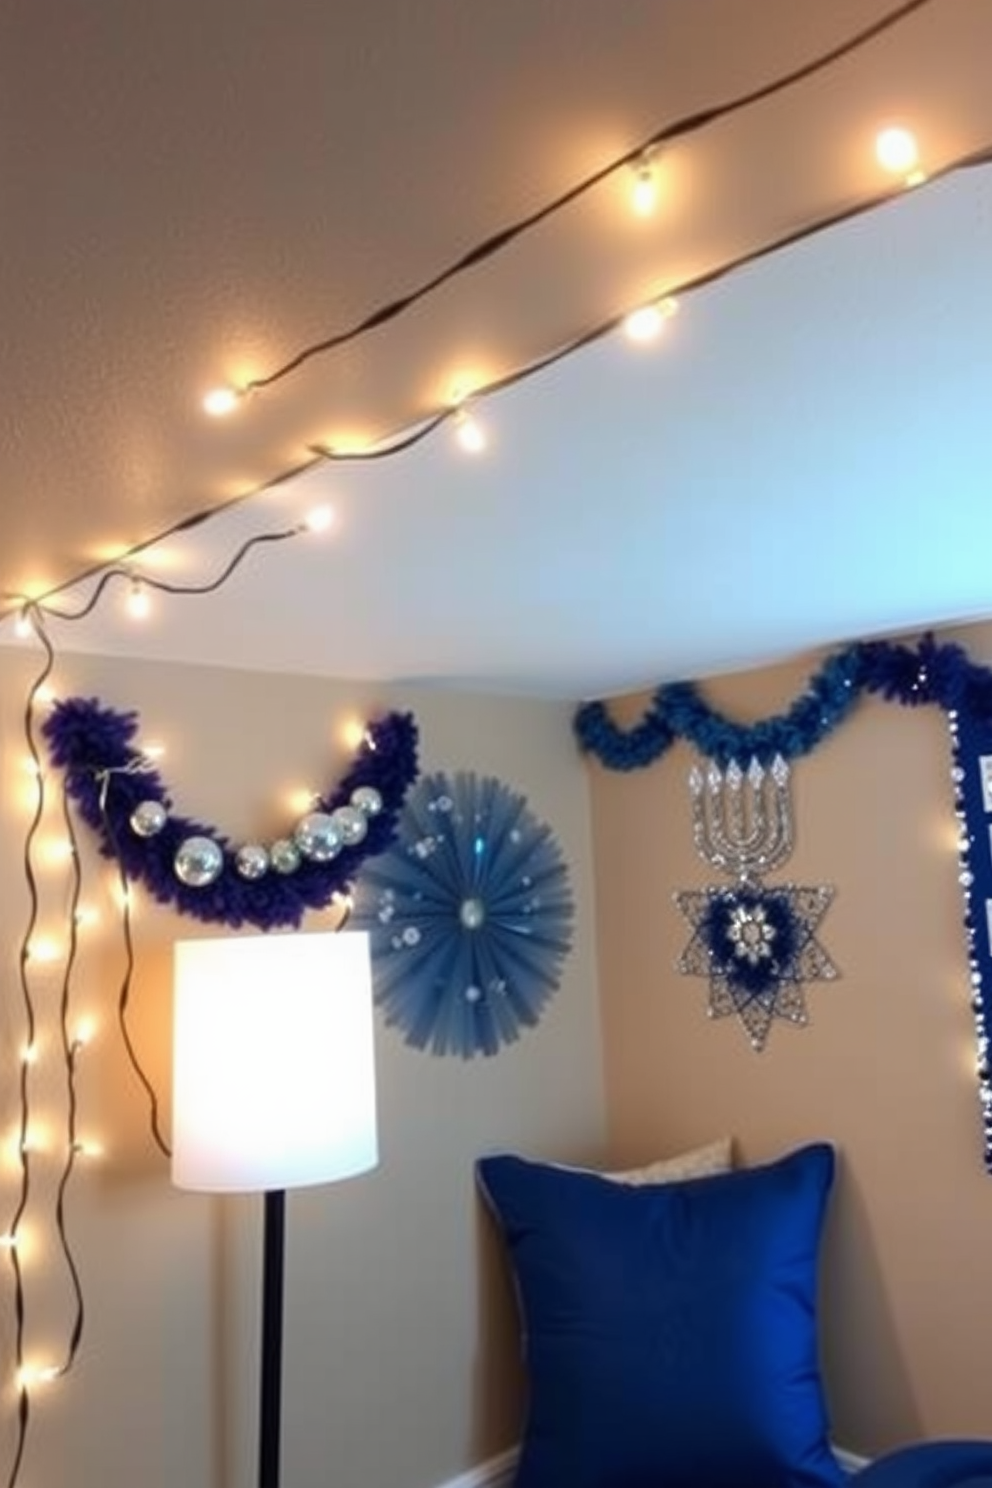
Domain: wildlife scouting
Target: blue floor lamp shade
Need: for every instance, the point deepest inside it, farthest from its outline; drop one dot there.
(273, 1088)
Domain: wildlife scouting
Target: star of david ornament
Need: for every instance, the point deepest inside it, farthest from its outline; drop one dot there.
(756, 944)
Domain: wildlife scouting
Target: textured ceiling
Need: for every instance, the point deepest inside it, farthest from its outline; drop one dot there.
(193, 193)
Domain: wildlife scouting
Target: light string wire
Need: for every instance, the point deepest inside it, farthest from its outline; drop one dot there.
(71, 1048)
(36, 613)
(503, 237)
(403, 438)
(30, 1021)
(127, 979)
(399, 441)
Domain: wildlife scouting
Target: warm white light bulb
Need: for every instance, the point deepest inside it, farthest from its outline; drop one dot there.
(84, 1032)
(30, 1375)
(352, 733)
(320, 519)
(643, 324)
(138, 603)
(43, 949)
(221, 401)
(22, 625)
(469, 432)
(644, 192)
(896, 150)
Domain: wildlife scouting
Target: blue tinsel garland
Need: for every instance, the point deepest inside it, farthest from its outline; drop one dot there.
(107, 778)
(926, 673)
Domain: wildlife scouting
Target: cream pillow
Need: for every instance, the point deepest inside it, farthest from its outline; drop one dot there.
(701, 1162)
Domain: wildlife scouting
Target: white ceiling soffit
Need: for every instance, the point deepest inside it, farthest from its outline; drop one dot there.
(803, 457)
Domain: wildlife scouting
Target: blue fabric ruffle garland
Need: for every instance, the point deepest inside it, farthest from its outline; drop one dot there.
(469, 916)
(111, 780)
(911, 675)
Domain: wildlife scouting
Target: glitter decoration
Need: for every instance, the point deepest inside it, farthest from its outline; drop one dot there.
(252, 860)
(198, 862)
(755, 944)
(148, 818)
(318, 836)
(284, 856)
(469, 916)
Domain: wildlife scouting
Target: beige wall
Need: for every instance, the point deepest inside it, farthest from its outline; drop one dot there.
(885, 1069)
(393, 1279)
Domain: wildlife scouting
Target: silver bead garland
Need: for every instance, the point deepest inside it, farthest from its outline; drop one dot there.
(318, 837)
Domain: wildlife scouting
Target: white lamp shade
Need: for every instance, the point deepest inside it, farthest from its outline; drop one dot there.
(273, 1079)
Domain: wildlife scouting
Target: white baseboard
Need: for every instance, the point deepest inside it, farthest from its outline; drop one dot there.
(497, 1472)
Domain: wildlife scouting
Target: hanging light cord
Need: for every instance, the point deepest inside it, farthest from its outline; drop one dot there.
(489, 247)
(30, 1022)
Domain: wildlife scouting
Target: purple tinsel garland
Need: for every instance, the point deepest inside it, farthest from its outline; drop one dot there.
(107, 778)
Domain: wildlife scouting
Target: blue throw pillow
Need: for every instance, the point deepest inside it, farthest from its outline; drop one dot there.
(670, 1330)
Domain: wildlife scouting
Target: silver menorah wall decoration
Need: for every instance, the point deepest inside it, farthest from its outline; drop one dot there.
(742, 823)
(754, 943)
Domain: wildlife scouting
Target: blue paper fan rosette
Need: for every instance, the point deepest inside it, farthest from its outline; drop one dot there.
(469, 915)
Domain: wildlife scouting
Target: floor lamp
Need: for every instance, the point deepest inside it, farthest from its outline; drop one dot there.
(273, 1088)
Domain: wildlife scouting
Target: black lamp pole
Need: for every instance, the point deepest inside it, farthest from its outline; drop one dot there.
(270, 1411)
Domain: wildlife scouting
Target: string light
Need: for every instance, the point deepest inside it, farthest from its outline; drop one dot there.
(87, 1149)
(22, 624)
(352, 733)
(897, 152)
(644, 192)
(500, 240)
(84, 1034)
(221, 401)
(648, 321)
(138, 601)
(43, 950)
(56, 850)
(469, 433)
(320, 519)
(30, 1375)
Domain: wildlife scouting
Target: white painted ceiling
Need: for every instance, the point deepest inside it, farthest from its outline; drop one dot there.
(802, 458)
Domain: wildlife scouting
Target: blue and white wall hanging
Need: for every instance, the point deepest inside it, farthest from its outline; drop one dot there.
(470, 915)
(913, 676)
(755, 943)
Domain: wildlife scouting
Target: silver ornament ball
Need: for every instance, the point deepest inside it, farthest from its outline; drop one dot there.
(252, 860)
(284, 856)
(198, 862)
(350, 823)
(318, 836)
(472, 913)
(367, 800)
(148, 818)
